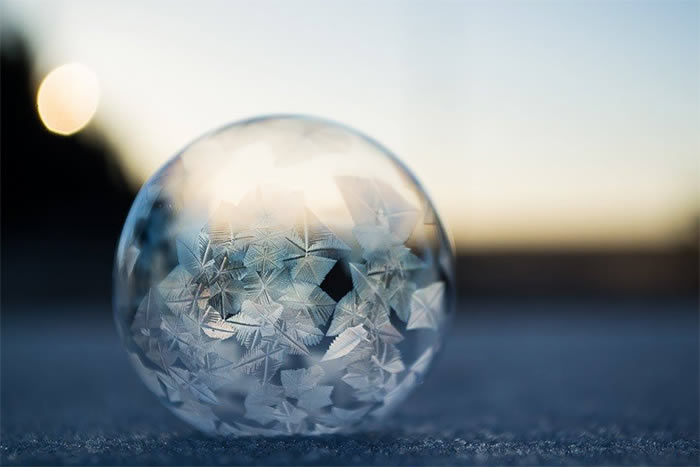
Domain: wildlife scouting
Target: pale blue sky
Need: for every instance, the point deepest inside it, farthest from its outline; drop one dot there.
(531, 123)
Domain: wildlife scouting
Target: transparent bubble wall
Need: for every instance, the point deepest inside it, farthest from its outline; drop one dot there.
(283, 275)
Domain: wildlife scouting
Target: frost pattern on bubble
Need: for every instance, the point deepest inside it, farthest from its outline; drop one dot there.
(242, 337)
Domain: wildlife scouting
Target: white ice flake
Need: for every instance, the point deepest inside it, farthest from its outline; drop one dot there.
(374, 377)
(310, 236)
(272, 237)
(397, 261)
(357, 380)
(400, 292)
(310, 268)
(316, 398)
(183, 335)
(375, 240)
(389, 359)
(148, 314)
(264, 257)
(188, 380)
(373, 202)
(302, 384)
(260, 401)
(350, 311)
(312, 247)
(256, 323)
(381, 326)
(217, 369)
(266, 287)
(300, 327)
(225, 224)
(289, 415)
(195, 254)
(427, 307)
(227, 296)
(367, 287)
(296, 382)
(310, 299)
(346, 342)
(216, 327)
(181, 293)
(263, 361)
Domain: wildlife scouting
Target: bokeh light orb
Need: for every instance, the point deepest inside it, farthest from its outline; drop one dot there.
(283, 275)
(67, 98)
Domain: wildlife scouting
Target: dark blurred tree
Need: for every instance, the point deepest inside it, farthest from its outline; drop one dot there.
(63, 198)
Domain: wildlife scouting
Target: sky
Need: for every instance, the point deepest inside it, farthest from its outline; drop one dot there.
(540, 124)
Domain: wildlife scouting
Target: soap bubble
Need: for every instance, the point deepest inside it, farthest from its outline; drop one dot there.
(283, 275)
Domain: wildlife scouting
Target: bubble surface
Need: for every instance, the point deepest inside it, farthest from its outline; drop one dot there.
(283, 275)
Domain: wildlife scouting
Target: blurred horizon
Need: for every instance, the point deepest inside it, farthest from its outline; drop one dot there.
(528, 124)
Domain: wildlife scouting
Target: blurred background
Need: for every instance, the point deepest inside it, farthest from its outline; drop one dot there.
(559, 140)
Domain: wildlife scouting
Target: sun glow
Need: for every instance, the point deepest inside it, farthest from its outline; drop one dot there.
(67, 98)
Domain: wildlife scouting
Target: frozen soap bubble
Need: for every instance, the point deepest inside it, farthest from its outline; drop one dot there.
(283, 275)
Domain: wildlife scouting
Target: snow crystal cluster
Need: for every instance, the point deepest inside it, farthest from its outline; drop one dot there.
(242, 334)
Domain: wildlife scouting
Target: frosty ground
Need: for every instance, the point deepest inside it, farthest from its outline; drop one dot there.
(548, 382)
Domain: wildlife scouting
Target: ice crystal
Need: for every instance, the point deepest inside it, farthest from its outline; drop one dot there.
(350, 311)
(400, 292)
(227, 296)
(195, 254)
(148, 314)
(303, 385)
(367, 287)
(373, 202)
(310, 300)
(263, 361)
(264, 257)
(266, 287)
(181, 293)
(259, 286)
(346, 342)
(426, 306)
(311, 269)
(389, 359)
(260, 400)
(297, 382)
(380, 325)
